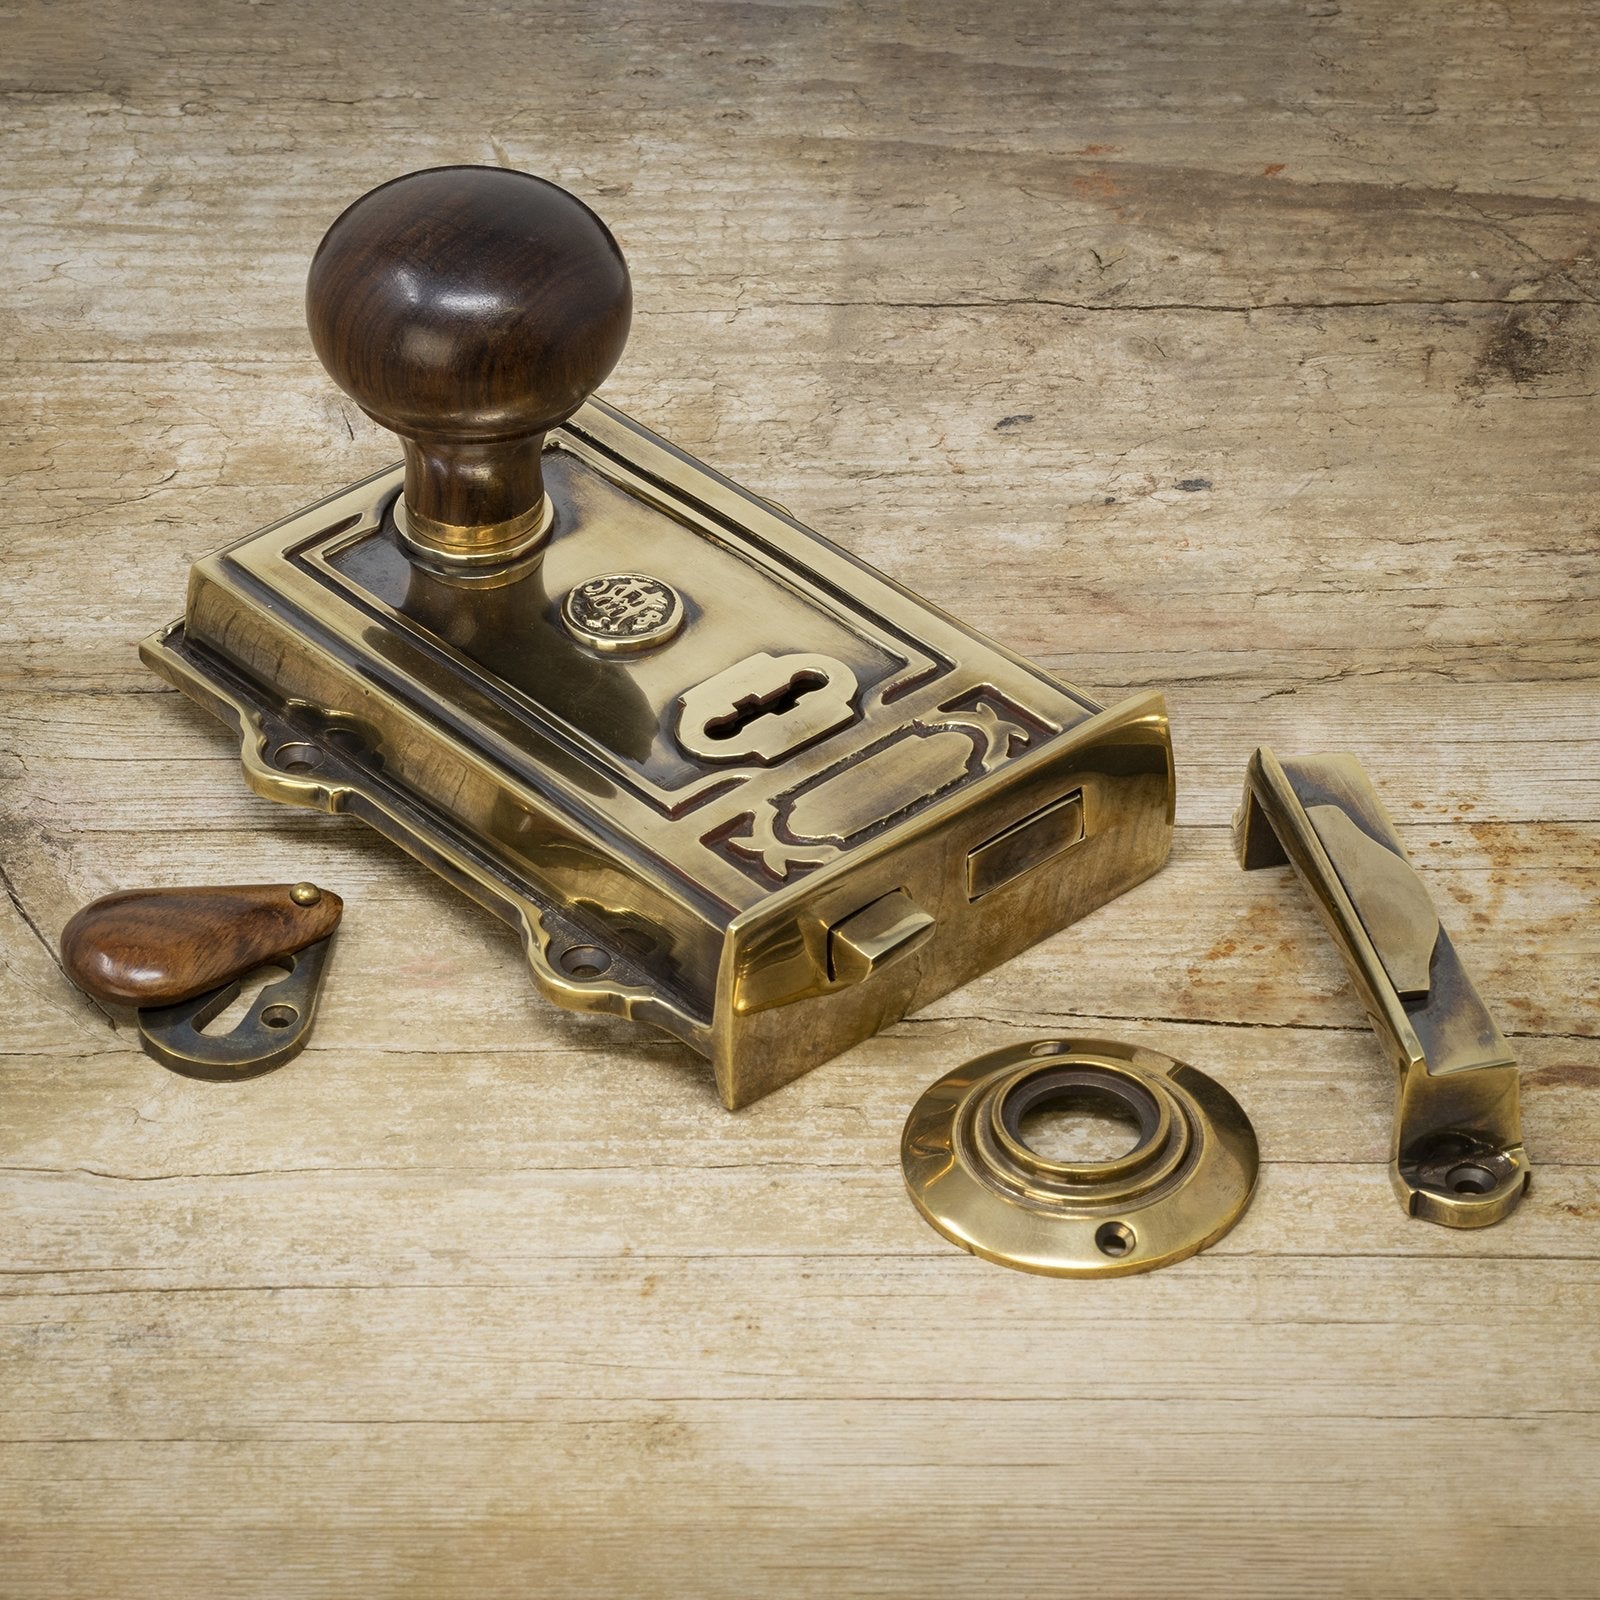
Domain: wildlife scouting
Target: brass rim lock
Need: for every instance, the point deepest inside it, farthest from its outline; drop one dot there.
(721, 777)
(1185, 1182)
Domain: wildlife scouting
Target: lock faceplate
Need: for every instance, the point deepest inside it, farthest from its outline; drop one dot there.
(678, 829)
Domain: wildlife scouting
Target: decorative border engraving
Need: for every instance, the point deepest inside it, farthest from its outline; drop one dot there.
(818, 820)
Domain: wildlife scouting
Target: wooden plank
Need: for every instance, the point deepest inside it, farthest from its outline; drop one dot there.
(768, 1497)
(1375, 517)
(1247, 352)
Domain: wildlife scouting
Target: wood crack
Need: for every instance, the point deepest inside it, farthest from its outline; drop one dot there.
(1042, 301)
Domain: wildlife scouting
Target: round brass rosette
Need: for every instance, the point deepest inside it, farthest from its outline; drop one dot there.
(1185, 1182)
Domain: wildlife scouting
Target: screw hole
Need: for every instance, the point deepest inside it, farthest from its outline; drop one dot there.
(280, 1016)
(583, 961)
(1470, 1178)
(297, 758)
(1114, 1239)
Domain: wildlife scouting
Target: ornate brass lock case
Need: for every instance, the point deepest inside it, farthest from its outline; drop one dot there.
(771, 897)
(723, 777)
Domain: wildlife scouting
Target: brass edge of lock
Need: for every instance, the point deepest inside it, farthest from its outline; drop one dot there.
(564, 962)
(1457, 1155)
(1185, 1182)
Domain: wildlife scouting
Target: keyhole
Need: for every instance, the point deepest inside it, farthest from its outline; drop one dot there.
(250, 987)
(775, 703)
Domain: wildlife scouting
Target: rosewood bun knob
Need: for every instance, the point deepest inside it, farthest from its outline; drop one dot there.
(469, 309)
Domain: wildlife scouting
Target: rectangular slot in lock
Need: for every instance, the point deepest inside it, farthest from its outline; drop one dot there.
(1025, 845)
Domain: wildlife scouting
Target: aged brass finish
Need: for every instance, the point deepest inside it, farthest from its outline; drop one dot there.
(1185, 1182)
(766, 707)
(1025, 845)
(861, 944)
(546, 781)
(275, 1030)
(684, 793)
(305, 894)
(1457, 1156)
(447, 547)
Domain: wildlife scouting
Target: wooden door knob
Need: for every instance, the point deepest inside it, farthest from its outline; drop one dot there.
(470, 310)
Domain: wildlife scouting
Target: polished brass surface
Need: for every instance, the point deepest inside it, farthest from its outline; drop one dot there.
(305, 894)
(448, 547)
(1457, 1156)
(275, 1029)
(974, 1176)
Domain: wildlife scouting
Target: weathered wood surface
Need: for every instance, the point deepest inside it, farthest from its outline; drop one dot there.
(1247, 350)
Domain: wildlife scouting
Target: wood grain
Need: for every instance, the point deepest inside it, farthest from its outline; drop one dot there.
(1245, 351)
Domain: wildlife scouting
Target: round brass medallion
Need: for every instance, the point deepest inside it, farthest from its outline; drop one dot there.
(623, 612)
(1185, 1182)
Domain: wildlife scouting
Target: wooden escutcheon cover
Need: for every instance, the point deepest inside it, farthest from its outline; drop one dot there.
(155, 947)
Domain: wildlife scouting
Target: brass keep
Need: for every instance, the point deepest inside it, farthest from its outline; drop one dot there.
(1457, 1157)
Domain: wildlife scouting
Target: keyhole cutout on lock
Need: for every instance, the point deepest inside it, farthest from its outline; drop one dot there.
(765, 707)
(775, 703)
(250, 987)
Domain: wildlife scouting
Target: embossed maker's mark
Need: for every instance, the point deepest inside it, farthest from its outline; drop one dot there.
(622, 611)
